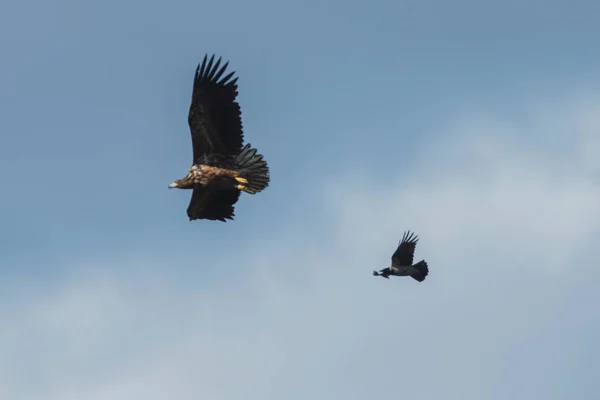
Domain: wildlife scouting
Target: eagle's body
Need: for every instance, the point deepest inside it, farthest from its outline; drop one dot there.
(402, 261)
(221, 168)
(204, 175)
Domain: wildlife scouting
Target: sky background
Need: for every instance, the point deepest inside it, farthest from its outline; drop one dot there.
(475, 124)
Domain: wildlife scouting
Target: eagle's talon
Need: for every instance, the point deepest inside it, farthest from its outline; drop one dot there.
(241, 180)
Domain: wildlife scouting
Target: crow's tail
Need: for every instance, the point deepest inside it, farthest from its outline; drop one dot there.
(419, 271)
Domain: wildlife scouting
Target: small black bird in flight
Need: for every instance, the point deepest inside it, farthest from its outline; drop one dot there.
(402, 261)
(221, 168)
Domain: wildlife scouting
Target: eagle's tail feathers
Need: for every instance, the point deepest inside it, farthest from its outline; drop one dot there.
(253, 168)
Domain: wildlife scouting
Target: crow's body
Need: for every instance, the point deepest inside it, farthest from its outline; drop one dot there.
(402, 261)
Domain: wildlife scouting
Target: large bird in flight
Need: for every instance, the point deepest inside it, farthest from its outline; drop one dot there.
(402, 261)
(221, 168)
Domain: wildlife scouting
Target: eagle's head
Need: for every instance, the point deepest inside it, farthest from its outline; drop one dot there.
(181, 184)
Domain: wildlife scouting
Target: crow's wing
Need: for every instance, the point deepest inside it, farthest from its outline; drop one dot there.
(403, 255)
(214, 117)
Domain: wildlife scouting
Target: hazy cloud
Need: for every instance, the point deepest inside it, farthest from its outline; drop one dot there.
(510, 233)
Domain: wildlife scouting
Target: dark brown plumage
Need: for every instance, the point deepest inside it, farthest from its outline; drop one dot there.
(221, 168)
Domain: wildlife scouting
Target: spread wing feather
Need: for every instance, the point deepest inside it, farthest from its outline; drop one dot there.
(215, 117)
(211, 202)
(404, 254)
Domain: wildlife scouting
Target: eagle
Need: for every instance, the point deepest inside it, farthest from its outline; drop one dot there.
(402, 260)
(221, 168)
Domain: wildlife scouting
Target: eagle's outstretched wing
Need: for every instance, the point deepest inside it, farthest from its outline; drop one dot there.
(211, 202)
(403, 255)
(214, 117)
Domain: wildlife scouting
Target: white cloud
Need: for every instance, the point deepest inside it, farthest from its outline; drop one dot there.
(491, 191)
(509, 231)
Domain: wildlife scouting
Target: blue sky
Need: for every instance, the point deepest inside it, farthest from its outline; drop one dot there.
(473, 123)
